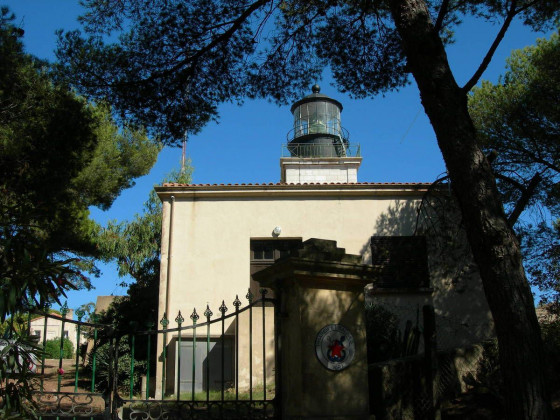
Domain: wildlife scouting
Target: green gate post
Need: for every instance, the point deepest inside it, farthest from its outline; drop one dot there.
(207, 314)
(63, 311)
(164, 323)
(132, 342)
(149, 326)
(194, 317)
(236, 304)
(263, 296)
(249, 297)
(179, 320)
(30, 305)
(95, 318)
(79, 314)
(94, 355)
(115, 401)
(223, 310)
(46, 310)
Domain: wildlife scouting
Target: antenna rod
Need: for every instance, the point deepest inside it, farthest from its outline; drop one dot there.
(184, 153)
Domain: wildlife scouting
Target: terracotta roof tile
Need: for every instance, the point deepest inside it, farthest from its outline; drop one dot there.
(280, 184)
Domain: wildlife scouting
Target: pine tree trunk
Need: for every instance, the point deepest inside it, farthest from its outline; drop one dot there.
(495, 247)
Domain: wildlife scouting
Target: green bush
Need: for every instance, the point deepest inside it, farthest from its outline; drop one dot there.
(52, 349)
(385, 340)
(105, 360)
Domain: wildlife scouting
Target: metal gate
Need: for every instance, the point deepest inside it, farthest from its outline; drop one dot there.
(51, 397)
(222, 368)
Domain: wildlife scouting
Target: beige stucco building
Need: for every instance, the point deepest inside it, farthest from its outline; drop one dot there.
(214, 237)
(54, 328)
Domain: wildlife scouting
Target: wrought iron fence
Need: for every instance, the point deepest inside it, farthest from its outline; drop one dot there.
(216, 354)
(63, 403)
(326, 150)
(304, 129)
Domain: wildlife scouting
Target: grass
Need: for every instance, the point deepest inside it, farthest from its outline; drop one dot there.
(229, 394)
(231, 411)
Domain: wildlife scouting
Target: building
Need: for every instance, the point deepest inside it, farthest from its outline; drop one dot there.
(215, 237)
(102, 303)
(54, 328)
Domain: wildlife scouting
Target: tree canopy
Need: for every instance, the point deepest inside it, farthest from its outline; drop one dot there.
(175, 62)
(59, 155)
(136, 247)
(519, 119)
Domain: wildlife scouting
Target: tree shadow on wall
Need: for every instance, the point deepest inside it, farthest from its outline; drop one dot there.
(399, 219)
(458, 297)
(462, 313)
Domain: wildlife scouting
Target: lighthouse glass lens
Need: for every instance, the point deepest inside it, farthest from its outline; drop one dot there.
(320, 117)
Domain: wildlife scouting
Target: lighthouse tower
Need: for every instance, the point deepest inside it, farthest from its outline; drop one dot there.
(318, 149)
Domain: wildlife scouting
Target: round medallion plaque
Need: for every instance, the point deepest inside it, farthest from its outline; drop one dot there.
(335, 347)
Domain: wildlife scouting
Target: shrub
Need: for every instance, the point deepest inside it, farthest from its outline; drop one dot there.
(488, 377)
(52, 349)
(17, 359)
(105, 364)
(385, 340)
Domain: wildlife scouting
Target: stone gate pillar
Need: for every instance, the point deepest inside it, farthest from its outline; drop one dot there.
(322, 335)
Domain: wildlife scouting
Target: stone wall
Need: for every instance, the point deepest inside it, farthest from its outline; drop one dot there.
(398, 390)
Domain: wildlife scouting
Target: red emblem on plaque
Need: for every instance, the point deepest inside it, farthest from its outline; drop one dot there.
(335, 347)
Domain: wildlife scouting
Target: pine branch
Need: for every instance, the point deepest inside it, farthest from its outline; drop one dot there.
(524, 199)
(512, 12)
(441, 15)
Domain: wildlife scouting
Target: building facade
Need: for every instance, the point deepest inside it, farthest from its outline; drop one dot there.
(215, 237)
(54, 328)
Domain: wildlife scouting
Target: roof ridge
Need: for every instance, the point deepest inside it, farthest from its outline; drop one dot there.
(250, 184)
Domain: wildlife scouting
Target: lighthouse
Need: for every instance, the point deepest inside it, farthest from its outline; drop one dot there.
(318, 148)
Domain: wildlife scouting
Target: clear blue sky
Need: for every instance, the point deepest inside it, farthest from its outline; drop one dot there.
(397, 141)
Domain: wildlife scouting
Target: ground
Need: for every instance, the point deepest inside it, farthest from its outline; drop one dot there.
(469, 406)
(81, 404)
(50, 381)
(480, 406)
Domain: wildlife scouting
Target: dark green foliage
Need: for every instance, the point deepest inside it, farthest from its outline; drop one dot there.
(17, 356)
(487, 379)
(197, 54)
(172, 82)
(88, 309)
(105, 361)
(52, 348)
(38, 123)
(541, 244)
(385, 340)
(519, 118)
(135, 246)
(59, 155)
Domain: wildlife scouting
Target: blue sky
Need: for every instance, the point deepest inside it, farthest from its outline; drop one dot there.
(397, 141)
